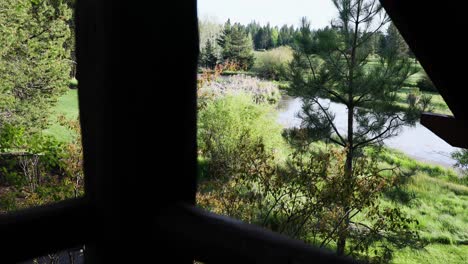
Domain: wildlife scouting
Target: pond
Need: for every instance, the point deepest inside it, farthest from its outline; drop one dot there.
(417, 142)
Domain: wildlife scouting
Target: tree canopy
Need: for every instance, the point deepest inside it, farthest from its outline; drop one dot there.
(34, 59)
(236, 45)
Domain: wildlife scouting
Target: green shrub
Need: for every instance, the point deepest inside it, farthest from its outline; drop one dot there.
(272, 64)
(461, 157)
(226, 120)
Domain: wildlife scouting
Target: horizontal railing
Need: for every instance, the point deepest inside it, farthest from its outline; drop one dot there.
(217, 239)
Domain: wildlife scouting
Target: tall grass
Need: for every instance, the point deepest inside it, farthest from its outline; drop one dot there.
(394, 157)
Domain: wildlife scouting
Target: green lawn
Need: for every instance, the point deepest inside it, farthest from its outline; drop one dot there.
(67, 105)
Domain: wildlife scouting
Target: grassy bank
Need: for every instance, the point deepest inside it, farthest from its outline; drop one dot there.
(438, 199)
(438, 103)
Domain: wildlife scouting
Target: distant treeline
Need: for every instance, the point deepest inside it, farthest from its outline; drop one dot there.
(235, 42)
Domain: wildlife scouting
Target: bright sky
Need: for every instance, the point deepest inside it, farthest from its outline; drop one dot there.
(277, 12)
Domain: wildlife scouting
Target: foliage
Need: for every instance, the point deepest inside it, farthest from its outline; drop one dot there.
(37, 169)
(208, 57)
(236, 45)
(222, 124)
(34, 59)
(301, 200)
(394, 41)
(461, 157)
(236, 189)
(210, 30)
(333, 63)
(268, 37)
(273, 64)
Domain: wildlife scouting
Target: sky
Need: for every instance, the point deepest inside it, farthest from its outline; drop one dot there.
(277, 12)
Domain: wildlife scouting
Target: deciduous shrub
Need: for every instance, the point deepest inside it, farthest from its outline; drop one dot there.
(36, 169)
(272, 64)
(461, 156)
(225, 121)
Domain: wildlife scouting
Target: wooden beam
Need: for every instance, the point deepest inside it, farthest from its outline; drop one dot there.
(213, 238)
(42, 230)
(450, 129)
(417, 21)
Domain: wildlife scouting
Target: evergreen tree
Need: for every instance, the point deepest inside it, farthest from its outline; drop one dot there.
(333, 63)
(395, 41)
(208, 57)
(252, 29)
(226, 33)
(261, 39)
(284, 36)
(35, 59)
(236, 46)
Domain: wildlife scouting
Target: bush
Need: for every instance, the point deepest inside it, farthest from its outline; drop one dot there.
(225, 121)
(425, 84)
(36, 169)
(461, 156)
(272, 64)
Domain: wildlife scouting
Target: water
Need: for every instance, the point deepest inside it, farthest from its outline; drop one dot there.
(417, 142)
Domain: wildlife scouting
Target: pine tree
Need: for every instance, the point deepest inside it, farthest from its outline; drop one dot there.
(236, 46)
(222, 41)
(333, 63)
(393, 41)
(209, 58)
(35, 60)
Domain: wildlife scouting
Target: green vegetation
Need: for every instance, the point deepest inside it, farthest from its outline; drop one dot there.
(40, 145)
(438, 199)
(333, 63)
(335, 191)
(388, 215)
(67, 106)
(461, 157)
(437, 103)
(229, 139)
(35, 60)
(273, 64)
(228, 120)
(236, 46)
(433, 253)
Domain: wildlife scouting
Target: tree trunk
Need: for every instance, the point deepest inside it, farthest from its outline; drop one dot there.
(348, 170)
(347, 191)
